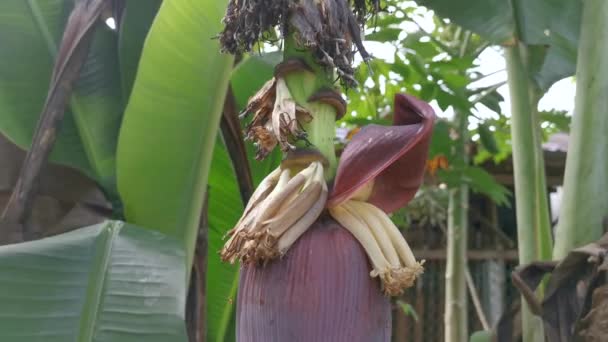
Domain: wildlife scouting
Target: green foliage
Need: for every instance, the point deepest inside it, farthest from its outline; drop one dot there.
(434, 66)
(225, 208)
(501, 135)
(387, 34)
(170, 124)
(190, 83)
(491, 99)
(479, 180)
(109, 282)
(225, 205)
(168, 140)
(554, 121)
(88, 136)
(441, 144)
(408, 309)
(482, 336)
(428, 209)
(251, 74)
(133, 28)
(550, 27)
(487, 138)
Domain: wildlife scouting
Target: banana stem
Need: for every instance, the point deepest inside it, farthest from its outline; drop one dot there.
(302, 85)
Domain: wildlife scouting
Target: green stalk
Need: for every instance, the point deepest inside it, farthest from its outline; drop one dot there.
(533, 225)
(456, 299)
(585, 203)
(302, 84)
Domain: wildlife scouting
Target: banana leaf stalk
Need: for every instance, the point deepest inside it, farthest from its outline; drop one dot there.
(301, 269)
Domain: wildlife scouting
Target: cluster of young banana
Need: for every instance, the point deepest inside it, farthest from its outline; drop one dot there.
(281, 209)
(391, 257)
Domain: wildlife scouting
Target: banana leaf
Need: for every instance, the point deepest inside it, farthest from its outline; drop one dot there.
(88, 136)
(108, 282)
(225, 204)
(551, 26)
(170, 124)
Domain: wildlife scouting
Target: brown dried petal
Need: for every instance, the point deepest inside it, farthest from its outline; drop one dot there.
(568, 301)
(264, 139)
(284, 122)
(262, 102)
(327, 27)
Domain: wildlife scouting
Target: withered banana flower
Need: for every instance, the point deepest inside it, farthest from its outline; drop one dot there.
(319, 262)
(277, 117)
(328, 28)
(321, 289)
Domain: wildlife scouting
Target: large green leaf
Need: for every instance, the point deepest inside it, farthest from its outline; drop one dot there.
(97, 106)
(109, 282)
(225, 208)
(225, 205)
(171, 122)
(557, 52)
(30, 32)
(133, 28)
(493, 19)
(551, 25)
(251, 73)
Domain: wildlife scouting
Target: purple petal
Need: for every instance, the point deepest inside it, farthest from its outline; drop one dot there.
(320, 291)
(394, 156)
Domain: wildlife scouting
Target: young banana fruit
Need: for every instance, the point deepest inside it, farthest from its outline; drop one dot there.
(281, 209)
(391, 257)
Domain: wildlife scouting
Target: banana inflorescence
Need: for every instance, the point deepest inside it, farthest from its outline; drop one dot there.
(391, 257)
(281, 209)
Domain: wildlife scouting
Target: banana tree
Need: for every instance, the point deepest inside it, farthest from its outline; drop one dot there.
(303, 242)
(126, 75)
(539, 40)
(583, 210)
(576, 278)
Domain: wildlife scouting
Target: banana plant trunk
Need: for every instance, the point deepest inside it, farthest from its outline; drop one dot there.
(456, 300)
(533, 225)
(584, 203)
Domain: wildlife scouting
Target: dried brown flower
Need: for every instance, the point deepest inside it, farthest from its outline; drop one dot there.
(328, 27)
